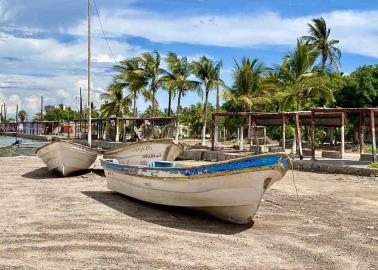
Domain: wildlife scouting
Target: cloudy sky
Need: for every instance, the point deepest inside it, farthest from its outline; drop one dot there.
(43, 42)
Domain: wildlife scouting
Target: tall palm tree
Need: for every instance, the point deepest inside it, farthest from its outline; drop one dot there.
(249, 88)
(171, 94)
(150, 75)
(22, 115)
(319, 38)
(208, 72)
(177, 78)
(115, 102)
(300, 78)
(128, 78)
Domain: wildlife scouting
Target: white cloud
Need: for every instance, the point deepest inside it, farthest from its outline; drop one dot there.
(51, 50)
(11, 103)
(352, 28)
(32, 103)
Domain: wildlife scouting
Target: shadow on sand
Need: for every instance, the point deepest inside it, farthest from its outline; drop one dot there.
(168, 216)
(44, 173)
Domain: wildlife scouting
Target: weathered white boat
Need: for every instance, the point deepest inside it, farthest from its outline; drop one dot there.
(153, 150)
(67, 157)
(230, 190)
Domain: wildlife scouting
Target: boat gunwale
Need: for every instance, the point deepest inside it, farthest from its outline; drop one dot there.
(276, 166)
(209, 176)
(128, 145)
(94, 151)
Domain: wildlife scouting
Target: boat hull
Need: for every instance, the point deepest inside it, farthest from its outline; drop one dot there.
(233, 196)
(145, 151)
(67, 157)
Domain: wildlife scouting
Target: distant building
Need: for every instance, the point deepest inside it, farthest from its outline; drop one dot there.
(49, 108)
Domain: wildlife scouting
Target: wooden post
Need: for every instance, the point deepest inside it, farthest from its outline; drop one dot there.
(283, 132)
(213, 133)
(332, 140)
(241, 141)
(16, 118)
(264, 130)
(313, 119)
(342, 135)
(373, 142)
(41, 116)
(250, 132)
(216, 133)
(361, 132)
(298, 135)
(255, 135)
(117, 129)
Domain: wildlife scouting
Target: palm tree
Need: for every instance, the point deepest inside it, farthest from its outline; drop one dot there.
(150, 75)
(115, 102)
(22, 115)
(128, 78)
(208, 72)
(319, 38)
(177, 78)
(171, 94)
(249, 87)
(300, 78)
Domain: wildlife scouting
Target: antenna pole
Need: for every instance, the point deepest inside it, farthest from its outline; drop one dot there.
(17, 113)
(89, 76)
(81, 112)
(41, 108)
(16, 119)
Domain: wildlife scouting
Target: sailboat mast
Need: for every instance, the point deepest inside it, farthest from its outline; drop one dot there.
(89, 76)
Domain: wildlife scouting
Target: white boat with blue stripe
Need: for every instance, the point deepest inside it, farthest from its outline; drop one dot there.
(230, 190)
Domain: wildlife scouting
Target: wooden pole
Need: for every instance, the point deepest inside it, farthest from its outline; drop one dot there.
(89, 76)
(313, 119)
(256, 132)
(361, 131)
(41, 108)
(16, 117)
(283, 132)
(216, 131)
(342, 135)
(298, 135)
(81, 114)
(250, 132)
(264, 131)
(117, 129)
(373, 142)
(213, 133)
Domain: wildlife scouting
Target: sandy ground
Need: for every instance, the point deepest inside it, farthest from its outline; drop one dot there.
(48, 222)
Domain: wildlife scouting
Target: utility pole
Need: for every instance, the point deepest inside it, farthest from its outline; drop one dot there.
(5, 112)
(16, 118)
(89, 76)
(16, 113)
(81, 112)
(41, 108)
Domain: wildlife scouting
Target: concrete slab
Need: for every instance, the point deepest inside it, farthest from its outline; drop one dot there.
(336, 166)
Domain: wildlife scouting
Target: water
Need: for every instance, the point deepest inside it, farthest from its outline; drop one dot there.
(26, 148)
(9, 140)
